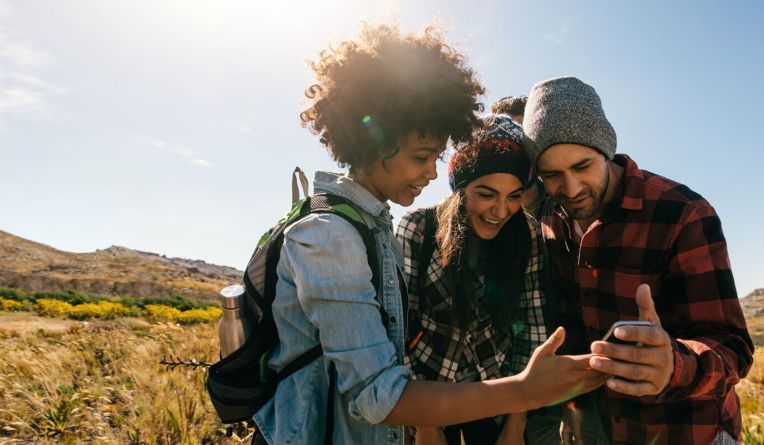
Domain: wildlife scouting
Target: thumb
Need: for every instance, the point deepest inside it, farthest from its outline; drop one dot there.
(646, 305)
(553, 343)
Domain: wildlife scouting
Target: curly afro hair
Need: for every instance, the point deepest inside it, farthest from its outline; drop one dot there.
(372, 91)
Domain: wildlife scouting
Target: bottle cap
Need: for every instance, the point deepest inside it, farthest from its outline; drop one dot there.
(230, 296)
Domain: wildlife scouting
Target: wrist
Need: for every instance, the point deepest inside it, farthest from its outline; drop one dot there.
(519, 394)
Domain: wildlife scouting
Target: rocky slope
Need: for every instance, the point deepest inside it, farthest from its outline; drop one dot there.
(32, 266)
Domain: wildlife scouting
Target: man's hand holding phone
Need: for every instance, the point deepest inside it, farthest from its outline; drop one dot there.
(638, 355)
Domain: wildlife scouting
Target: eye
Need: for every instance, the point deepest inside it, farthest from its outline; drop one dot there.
(549, 175)
(583, 167)
(486, 195)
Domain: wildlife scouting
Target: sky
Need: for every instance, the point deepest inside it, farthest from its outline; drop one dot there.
(172, 126)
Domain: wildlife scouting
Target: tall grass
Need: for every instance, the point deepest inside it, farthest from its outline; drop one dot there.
(101, 382)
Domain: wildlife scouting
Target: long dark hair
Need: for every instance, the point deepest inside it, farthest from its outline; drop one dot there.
(502, 261)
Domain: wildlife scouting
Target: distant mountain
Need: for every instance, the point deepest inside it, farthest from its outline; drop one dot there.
(753, 304)
(32, 266)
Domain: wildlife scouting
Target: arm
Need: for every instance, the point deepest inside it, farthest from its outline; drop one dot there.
(329, 269)
(325, 258)
(703, 347)
(712, 349)
(512, 432)
(548, 379)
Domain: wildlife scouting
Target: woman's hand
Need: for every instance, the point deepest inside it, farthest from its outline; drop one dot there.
(550, 379)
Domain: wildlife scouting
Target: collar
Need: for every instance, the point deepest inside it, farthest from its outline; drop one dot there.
(341, 185)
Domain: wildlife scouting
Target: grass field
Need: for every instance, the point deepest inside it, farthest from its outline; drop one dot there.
(65, 381)
(98, 382)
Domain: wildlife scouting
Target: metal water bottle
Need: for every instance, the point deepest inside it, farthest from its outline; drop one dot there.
(233, 329)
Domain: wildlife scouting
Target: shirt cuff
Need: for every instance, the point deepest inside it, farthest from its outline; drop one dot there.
(685, 366)
(375, 402)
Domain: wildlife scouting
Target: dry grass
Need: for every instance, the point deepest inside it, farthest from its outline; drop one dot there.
(751, 389)
(101, 382)
(64, 381)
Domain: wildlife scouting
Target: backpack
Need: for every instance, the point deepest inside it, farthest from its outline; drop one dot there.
(241, 383)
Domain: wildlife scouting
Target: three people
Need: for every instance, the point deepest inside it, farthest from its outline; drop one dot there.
(384, 106)
(474, 270)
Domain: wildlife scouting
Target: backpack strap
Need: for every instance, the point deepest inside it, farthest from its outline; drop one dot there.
(337, 205)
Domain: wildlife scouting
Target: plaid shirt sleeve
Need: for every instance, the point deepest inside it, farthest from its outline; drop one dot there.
(530, 331)
(712, 348)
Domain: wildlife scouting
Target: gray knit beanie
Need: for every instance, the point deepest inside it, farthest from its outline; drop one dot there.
(566, 110)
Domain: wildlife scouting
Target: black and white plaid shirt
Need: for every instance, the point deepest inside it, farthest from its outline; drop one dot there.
(443, 351)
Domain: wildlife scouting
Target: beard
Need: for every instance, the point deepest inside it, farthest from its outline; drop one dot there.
(597, 195)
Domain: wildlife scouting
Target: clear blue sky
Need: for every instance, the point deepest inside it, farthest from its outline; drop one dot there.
(172, 126)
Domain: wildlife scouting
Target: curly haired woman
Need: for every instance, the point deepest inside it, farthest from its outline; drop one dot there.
(384, 106)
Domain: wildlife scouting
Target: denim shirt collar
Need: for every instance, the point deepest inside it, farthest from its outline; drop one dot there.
(338, 184)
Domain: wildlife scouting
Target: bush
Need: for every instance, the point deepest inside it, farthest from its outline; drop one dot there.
(105, 310)
(160, 312)
(9, 305)
(13, 294)
(177, 302)
(52, 308)
(200, 315)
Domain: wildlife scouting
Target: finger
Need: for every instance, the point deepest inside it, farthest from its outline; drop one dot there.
(580, 362)
(630, 371)
(646, 305)
(637, 389)
(646, 355)
(553, 343)
(646, 335)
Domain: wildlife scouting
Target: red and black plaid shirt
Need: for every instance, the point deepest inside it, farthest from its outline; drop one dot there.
(661, 233)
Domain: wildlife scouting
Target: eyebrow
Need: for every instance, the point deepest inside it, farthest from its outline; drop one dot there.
(577, 164)
(481, 186)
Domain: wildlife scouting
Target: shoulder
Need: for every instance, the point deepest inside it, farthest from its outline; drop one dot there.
(411, 225)
(669, 196)
(322, 228)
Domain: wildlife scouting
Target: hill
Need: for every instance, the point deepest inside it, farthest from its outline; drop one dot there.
(753, 303)
(33, 266)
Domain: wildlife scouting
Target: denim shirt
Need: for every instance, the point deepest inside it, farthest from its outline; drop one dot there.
(324, 293)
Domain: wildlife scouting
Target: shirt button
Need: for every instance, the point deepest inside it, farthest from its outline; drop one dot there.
(395, 435)
(390, 281)
(392, 319)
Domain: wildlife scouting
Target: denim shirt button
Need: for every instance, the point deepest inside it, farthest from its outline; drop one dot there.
(391, 281)
(392, 319)
(395, 435)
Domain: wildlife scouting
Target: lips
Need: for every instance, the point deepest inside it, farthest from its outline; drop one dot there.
(578, 202)
(489, 221)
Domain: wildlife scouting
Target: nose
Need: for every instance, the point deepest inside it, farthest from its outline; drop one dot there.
(571, 186)
(501, 209)
(432, 171)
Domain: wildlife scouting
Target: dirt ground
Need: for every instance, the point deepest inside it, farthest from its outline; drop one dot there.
(19, 323)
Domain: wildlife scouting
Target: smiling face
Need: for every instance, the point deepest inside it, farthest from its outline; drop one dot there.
(490, 201)
(401, 178)
(577, 177)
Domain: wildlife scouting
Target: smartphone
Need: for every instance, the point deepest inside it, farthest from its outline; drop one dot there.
(610, 336)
